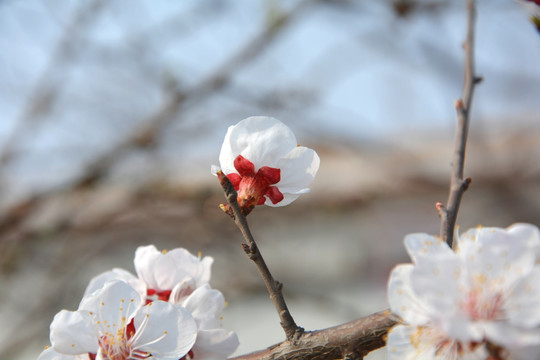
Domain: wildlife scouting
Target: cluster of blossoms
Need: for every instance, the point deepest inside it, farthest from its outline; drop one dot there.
(481, 301)
(265, 164)
(168, 311)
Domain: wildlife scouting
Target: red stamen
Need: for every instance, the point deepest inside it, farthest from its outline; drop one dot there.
(252, 187)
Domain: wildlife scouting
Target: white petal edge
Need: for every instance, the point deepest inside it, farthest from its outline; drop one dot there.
(164, 329)
(71, 333)
(215, 344)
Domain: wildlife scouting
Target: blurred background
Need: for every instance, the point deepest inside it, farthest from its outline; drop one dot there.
(112, 113)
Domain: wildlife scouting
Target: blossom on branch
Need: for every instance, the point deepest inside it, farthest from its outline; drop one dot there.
(482, 298)
(182, 279)
(113, 324)
(265, 164)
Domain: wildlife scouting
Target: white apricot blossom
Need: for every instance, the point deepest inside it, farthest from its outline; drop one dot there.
(182, 279)
(453, 303)
(113, 324)
(265, 164)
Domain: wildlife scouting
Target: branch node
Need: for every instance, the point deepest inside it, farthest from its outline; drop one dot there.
(441, 209)
(466, 183)
(459, 104)
(478, 79)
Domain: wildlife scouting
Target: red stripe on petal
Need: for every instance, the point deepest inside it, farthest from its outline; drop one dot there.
(274, 194)
(272, 175)
(244, 166)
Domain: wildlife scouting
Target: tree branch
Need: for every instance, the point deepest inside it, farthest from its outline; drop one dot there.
(458, 185)
(292, 331)
(352, 340)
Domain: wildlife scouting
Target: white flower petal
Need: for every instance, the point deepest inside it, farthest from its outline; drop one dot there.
(502, 333)
(260, 139)
(436, 283)
(402, 299)
(51, 354)
(298, 168)
(215, 344)
(164, 329)
(71, 333)
(163, 271)
(501, 256)
(523, 306)
(400, 347)
(205, 305)
(145, 258)
(99, 281)
(424, 246)
(113, 306)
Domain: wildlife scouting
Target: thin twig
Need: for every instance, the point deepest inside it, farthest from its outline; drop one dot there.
(292, 331)
(352, 340)
(458, 185)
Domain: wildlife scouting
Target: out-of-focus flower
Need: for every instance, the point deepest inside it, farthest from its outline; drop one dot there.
(182, 279)
(262, 159)
(113, 324)
(455, 303)
(533, 9)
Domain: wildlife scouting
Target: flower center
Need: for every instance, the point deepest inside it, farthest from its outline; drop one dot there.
(152, 295)
(478, 307)
(252, 186)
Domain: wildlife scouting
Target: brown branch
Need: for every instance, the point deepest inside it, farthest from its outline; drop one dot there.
(458, 185)
(352, 340)
(292, 331)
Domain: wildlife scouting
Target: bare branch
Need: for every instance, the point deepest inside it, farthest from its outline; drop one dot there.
(292, 331)
(352, 340)
(458, 185)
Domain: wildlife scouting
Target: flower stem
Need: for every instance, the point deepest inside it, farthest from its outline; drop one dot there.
(292, 331)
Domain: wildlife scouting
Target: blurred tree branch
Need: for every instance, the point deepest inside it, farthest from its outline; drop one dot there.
(147, 135)
(48, 85)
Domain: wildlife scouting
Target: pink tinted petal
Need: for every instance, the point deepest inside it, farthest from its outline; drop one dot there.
(244, 166)
(71, 333)
(164, 329)
(215, 344)
(274, 195)
(263, 140)
(235, 180)
(272, 175)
